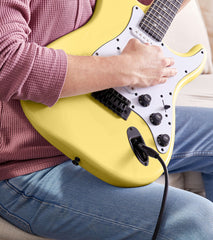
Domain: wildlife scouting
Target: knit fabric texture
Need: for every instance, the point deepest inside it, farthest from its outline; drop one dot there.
(31, 71)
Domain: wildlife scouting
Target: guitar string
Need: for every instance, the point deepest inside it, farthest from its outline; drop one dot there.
(148, 25)
(160, 13)
(160, 9)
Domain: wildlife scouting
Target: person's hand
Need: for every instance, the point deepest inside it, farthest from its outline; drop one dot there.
(139, 65)
(145, 65)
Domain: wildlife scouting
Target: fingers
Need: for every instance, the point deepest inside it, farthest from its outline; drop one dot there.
(167, 62)
(147, 65)
(167, 73)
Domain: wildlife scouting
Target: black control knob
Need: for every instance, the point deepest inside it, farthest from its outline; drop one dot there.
(166, 107)
(155, 118)
(144, 100)
(163, 140)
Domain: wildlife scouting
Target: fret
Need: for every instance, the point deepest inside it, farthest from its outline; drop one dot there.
(168, 11)
(154, 26)
(156, 32)
(155, 16)
(162, 22)
(173, 4)
(159, 17)
(165, 10)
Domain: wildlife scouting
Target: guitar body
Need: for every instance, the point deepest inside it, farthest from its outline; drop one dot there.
(83, 127)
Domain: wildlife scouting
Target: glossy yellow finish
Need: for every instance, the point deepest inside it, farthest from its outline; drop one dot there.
(82, 127)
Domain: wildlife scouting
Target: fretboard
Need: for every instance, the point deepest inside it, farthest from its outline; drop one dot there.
(159, 17)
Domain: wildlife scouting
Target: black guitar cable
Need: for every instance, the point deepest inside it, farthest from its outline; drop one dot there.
(152, 153)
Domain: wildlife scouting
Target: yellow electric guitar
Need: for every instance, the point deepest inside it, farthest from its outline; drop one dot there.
(102, 131)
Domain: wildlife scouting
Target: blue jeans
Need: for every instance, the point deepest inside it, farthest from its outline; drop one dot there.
(66, 202)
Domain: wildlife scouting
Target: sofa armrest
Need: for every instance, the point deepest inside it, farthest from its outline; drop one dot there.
(197, 93)
(9, 232)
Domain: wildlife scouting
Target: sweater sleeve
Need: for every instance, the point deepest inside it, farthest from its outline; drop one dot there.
(27, 71)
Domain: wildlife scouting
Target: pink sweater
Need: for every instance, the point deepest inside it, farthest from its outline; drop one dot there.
(29, 70)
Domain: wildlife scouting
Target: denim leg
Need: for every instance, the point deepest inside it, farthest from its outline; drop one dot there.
(67, 203)
(193, 149)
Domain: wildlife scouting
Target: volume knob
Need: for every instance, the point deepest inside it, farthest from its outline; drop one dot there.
(144, 100)
(155, 118)
(163, 140)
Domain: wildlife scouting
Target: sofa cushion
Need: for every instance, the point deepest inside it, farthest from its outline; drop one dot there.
(197, 93)
(207, 12)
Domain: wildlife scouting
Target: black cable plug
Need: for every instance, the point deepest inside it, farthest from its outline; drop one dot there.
(152, 153)
(149, 151)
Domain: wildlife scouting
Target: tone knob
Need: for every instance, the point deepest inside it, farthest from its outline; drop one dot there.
(144, 100)
(155, 118)
(163, 140)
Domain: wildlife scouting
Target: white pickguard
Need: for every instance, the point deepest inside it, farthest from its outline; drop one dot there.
(161, 94)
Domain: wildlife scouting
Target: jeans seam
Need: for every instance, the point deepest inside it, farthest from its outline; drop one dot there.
(16, 218)
(80, 212)
(193, 154)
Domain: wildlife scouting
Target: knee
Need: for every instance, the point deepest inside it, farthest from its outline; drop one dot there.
(189, 217)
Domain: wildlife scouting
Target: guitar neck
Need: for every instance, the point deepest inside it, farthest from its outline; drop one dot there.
(159, 17)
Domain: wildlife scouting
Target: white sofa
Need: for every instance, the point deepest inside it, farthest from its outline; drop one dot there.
(191, 26)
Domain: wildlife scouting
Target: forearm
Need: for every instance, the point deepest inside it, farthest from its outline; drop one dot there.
(87, 74)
